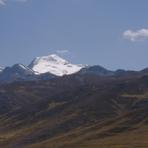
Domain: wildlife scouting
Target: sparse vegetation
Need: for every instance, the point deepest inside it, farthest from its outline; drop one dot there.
(75, 112)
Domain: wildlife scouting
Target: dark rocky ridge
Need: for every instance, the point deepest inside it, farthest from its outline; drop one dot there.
(19, 72)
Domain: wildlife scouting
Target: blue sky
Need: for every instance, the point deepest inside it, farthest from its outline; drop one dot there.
(111, 33)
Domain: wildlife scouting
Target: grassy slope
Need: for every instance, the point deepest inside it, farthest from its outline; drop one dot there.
(92, 114)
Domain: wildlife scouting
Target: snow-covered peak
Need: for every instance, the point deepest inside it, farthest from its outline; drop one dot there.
(53, 58)
(53, 64)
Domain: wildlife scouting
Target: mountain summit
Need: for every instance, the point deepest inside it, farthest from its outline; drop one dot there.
(54, 65)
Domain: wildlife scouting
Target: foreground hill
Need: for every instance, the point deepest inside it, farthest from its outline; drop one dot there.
(74, 112)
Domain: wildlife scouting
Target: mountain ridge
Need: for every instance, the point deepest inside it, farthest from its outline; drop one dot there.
(51, 66)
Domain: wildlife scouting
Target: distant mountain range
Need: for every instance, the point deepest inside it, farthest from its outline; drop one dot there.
(51, 66)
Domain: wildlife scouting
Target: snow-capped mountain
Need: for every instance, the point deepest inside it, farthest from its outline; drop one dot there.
(54, 65)
(41, 68)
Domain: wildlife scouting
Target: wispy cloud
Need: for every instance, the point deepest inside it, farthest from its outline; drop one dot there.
(4, 2)
(138, 35)
(21, 0)
(62, 51)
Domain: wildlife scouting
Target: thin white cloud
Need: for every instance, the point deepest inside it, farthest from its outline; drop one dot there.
(21, 0)
(2, 2)
(138, 35)
(62, 51)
